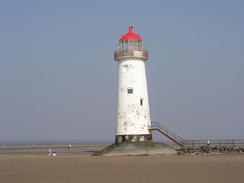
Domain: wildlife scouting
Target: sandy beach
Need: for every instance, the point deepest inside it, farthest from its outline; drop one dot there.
(168, 169)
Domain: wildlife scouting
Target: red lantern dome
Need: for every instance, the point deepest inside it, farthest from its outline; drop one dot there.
(130, 36)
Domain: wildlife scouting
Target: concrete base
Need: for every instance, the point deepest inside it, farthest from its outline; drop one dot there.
(135, 148)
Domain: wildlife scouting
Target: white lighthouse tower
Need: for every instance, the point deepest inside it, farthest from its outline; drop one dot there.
(133, 114)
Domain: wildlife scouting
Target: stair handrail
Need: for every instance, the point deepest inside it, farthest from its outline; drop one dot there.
(157, 125)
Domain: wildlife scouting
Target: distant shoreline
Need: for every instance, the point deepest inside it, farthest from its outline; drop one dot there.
(60, 149)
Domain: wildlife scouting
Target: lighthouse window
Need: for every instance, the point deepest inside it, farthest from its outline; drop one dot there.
(125, 68)
(141, 101)
(130, 90)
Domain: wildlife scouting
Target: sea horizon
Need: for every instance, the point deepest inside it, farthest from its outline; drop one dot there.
(52, 142)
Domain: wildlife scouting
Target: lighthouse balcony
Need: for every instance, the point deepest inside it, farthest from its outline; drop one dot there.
(120, 55)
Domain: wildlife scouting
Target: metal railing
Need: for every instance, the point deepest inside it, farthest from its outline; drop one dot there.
(214, 142)
(168, 133)
(194, 143)
(130, 53)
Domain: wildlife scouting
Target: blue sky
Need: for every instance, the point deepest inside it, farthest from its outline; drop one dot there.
(58, 79)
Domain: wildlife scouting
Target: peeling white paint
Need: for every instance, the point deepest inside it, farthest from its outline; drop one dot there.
(132, 117)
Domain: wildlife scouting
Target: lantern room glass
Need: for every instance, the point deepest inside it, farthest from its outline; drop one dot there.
(132, 45)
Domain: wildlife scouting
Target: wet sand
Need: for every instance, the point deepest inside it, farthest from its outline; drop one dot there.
(134, 169)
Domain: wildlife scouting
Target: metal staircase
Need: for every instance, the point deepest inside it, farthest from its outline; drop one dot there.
(166, 132)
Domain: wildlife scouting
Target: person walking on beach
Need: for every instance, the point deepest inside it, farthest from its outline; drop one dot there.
(49, 152)
(208, 142)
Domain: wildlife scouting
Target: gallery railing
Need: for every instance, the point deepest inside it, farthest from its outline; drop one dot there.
(130, 53)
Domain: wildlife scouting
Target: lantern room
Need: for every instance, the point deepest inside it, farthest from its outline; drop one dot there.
(130, 47)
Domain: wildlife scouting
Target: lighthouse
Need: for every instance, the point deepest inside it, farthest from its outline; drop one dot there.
(134, 127)
(133, 113)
